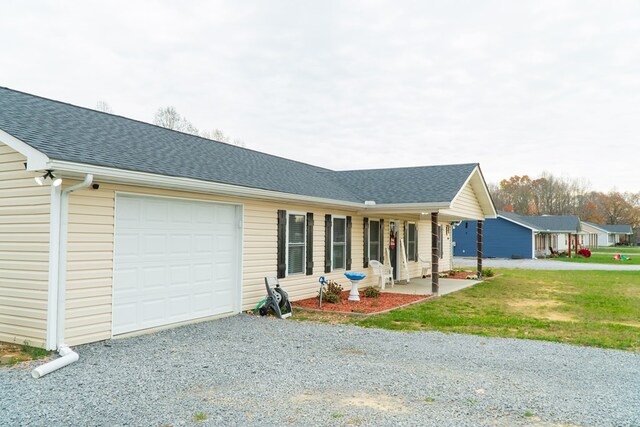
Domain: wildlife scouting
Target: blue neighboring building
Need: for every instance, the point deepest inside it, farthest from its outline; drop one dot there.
(516, 236)
(507, 236)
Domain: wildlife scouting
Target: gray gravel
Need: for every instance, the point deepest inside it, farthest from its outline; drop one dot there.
(540, 264)
(247, 370)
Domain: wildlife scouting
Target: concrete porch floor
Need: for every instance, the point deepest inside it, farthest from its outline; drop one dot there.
(420, 286)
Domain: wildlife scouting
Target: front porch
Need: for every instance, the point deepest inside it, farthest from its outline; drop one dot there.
(420, 286)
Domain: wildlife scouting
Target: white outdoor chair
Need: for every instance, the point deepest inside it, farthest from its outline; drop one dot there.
(426, 267)
(384, 271)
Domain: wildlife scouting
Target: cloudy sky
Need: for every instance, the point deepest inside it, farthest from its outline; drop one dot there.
(520, 87)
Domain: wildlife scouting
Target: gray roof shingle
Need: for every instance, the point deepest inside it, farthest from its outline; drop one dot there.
(546, 223)
(618, 228)
(517, 218)
(70, 133)
(555, 223)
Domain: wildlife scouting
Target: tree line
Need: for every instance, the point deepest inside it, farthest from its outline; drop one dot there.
(168, 117)
(551, 195)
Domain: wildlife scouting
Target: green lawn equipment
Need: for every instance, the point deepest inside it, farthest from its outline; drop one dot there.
(277, 300)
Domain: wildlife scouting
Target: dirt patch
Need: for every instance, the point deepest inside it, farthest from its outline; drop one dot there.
(541, 309)
(385, 301)
(379, 402)
(629, 323)
(554, 315)
(11, 354)
(533, 303)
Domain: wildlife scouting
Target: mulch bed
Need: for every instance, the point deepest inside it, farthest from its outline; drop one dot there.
(386, 301)
(460, 274)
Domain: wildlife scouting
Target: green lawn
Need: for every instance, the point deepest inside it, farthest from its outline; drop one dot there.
(593, 308)
(627, 250)
(602, 259)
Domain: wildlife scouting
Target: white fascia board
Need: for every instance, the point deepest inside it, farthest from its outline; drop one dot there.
(400, 208)
(477, 172)
(147, 179)
(36, 160)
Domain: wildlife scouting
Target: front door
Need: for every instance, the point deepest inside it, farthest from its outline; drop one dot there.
(393, 247)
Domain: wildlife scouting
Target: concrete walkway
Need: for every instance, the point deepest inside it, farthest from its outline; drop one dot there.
(419, 286)
(539, 264)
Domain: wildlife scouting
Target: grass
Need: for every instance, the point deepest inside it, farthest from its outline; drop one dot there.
(200, 416)
(618, 250)
(20, 353)
(592, 308)
(596, 258)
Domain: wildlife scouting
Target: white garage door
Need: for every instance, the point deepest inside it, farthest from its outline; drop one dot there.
(174, 260)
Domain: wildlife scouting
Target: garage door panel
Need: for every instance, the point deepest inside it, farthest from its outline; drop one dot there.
(175, 260)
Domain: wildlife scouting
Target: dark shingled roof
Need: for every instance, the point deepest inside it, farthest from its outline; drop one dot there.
(618, 228)
(555, 223)
(517, 218)
(69, 133)
(544, 223)
(404, 185)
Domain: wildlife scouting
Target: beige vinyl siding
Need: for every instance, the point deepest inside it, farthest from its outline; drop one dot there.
(466, 205)
(24, 252)
(90, 257)
(89, 266)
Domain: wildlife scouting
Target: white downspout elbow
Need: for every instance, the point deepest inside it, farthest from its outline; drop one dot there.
(67, 356)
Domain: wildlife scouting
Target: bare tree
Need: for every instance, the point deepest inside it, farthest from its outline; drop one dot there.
(168, 117)
(104, 106)
(219, 135)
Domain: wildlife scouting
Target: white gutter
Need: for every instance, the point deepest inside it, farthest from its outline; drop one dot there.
(153, 180)
(67, 356)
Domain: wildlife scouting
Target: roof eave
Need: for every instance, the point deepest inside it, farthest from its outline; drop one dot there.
(146, 179)
(36, 160)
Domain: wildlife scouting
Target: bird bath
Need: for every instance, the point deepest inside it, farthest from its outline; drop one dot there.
(355, 278)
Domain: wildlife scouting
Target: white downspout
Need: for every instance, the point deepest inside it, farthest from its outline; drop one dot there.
(67, 356)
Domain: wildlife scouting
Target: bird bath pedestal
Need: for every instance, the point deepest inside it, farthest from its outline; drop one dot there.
(355, 278)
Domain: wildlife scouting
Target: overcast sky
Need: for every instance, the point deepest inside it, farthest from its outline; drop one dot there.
(520, 87)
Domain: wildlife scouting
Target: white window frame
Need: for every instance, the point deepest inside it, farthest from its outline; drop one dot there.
(369, 241)
(304, 245)
(333, 229)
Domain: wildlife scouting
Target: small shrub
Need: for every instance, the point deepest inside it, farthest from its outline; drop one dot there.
(487, 272)
(584, 252)
(371, 292)
(332, 292)
(331, 298)
(200, 416)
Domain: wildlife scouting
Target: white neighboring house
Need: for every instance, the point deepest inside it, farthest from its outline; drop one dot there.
(598, 235)
(618, 233)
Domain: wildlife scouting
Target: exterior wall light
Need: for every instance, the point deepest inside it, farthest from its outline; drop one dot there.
(48, 174)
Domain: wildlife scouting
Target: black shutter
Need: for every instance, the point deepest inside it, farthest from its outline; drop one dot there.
(282, 243)
(348, 243)
(327, 243)
(309, 243)
(381, 246)
(365, 261)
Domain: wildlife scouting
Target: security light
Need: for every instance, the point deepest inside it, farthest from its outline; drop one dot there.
(48, 174)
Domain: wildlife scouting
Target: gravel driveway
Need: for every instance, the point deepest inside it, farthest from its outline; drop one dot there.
(247, 370)
(539, 264)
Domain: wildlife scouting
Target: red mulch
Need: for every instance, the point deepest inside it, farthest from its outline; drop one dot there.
(460, 274)
(383, 302)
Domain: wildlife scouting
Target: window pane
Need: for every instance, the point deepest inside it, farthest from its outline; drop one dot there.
(296, 259)
(412, 242)
(338, 256)
(339, 226)
(374, 253)
(296, 228)
(374, 240)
